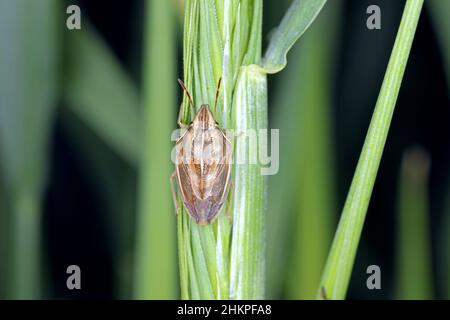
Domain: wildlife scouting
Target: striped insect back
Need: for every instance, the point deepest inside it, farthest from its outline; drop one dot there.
(203, 166)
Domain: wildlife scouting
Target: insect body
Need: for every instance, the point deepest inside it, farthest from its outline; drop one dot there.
(203, 166)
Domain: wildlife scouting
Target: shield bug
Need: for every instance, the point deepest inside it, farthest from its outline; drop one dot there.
(203, 164)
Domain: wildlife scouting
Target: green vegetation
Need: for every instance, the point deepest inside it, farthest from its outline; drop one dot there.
(274, 233)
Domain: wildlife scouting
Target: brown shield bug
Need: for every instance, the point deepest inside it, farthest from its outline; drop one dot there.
(203, 164)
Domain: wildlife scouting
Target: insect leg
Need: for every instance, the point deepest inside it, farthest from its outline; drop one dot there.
(174, 194)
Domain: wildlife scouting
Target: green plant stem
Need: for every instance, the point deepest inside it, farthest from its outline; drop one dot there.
(299, 101)
(413, 258)
(29, 36)
(225, 259)
(155, 259)
(27, 263)
(247, 273)
(439, 10)
(340, 261)
(312, 168)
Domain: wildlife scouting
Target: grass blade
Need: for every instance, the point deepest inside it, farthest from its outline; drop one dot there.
(247, 271)
(155, 273)
(100, 93)
(306, 98)
(297, 19)
(28, 73)
(310, 63)
(100, 96)
(340, 261)
(414, 272)
(439, 10)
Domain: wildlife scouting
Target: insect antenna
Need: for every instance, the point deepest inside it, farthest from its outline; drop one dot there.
(188, 95)
(217, 93)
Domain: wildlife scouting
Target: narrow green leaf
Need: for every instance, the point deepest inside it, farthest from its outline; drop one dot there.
(439, 10)
(413, 259)
(183, 256)
(340, 261)
(202, 261)
(99, 91)
(305, 212)
(29, 59)
(247, 263)
(155, 273)
(297, 19)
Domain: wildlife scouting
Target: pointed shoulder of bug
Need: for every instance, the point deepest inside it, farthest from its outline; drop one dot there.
(204, 119)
